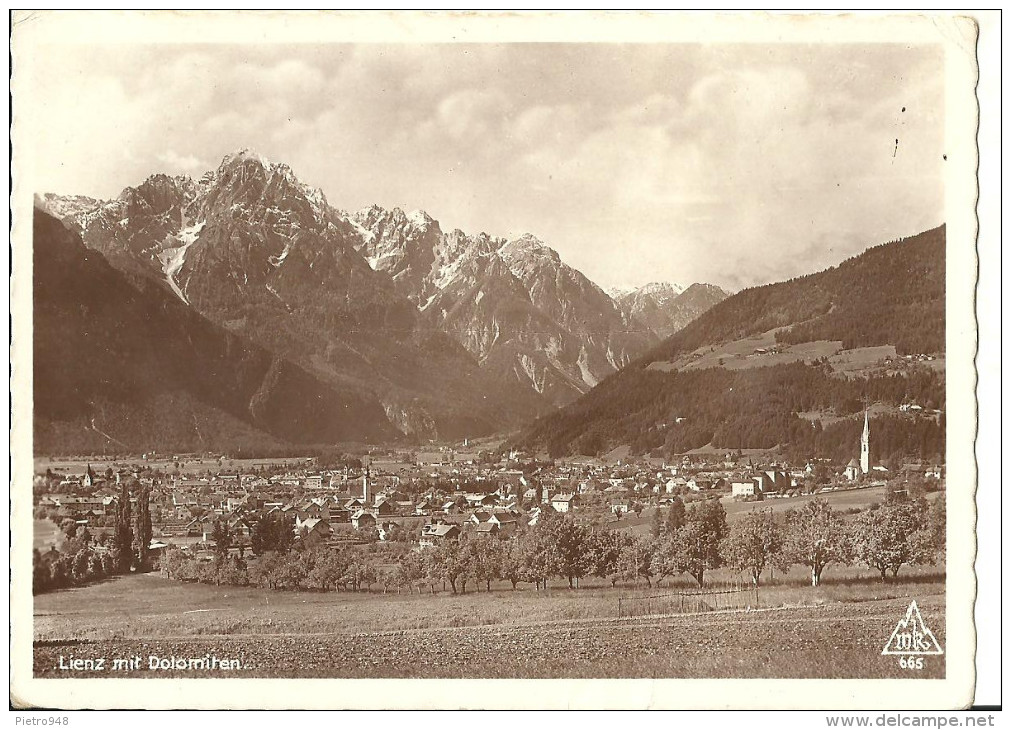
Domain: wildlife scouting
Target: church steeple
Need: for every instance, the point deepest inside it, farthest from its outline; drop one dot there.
(865, 447)
(365, 484)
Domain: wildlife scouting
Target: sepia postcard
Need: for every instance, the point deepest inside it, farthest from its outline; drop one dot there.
(563, 360)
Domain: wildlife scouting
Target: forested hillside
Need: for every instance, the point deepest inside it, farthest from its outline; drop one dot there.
(891, 294)
(741, 409)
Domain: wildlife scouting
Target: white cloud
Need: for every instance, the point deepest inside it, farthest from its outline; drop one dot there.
(182, 163)
(682, 163)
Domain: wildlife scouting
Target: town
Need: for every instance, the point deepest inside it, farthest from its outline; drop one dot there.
(415, 499)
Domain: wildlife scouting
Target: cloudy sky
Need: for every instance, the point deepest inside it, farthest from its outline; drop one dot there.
(732, 164)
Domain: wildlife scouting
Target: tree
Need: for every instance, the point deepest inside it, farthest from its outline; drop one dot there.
(604, 554)
(388, 579)
(326, 569)
(486, 556)
(512, 563)
(221, 535)
(675, 515)
(40, 572)
(666, 559)
(816, 537)
(80, 566)
(937, 523)
(365, 574)
(59, 571)
(753, 543)
(95, 566)
(68, 527)
(144, 531)
(109, 564)
(449, 562)
(272, 533)
(635, 560)
(540, 550)
(122, 538)
(171, 563)
(266, 571)
(570, 546)
(656, 526)
(233, 572)
(410, 571)
(887, 536)
(699, 539)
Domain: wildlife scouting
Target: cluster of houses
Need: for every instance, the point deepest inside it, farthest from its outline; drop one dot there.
(430, 497)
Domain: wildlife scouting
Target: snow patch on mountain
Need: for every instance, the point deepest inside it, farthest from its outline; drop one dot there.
(530, 370)
(447, 271)
(615, 363)
(420, 218)
(428, 303)
(173, 258)
(584, 368)
(245, 154)
(367, 235)
(278, 260)
(620, 292)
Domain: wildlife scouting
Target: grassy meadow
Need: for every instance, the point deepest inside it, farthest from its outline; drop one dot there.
(138, 606)
(836, 630)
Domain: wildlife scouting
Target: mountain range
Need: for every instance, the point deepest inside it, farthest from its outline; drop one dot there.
(123, 364)
(664, 308)
(450, 334)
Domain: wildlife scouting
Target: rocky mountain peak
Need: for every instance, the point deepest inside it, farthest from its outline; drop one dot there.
(665, 307)
(245, 155)
(662, 287)
(160, 192)
(395, 219)
(66, 207)
(528, 246)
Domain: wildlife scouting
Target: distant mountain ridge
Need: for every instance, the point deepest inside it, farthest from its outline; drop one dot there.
(455, 334)
(664, 308)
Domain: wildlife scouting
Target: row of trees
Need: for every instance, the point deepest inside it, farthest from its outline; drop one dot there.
(884, 537)
(83, 558)
(684, 541)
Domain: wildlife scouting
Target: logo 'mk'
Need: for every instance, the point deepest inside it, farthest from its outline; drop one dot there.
(911, 636)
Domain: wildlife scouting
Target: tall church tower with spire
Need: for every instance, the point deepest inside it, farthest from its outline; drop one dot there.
(865, 447)
(365, 485)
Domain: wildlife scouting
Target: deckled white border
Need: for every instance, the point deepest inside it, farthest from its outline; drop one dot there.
(35, 34)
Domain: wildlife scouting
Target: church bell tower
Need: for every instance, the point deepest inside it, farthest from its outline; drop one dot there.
(865, 447)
